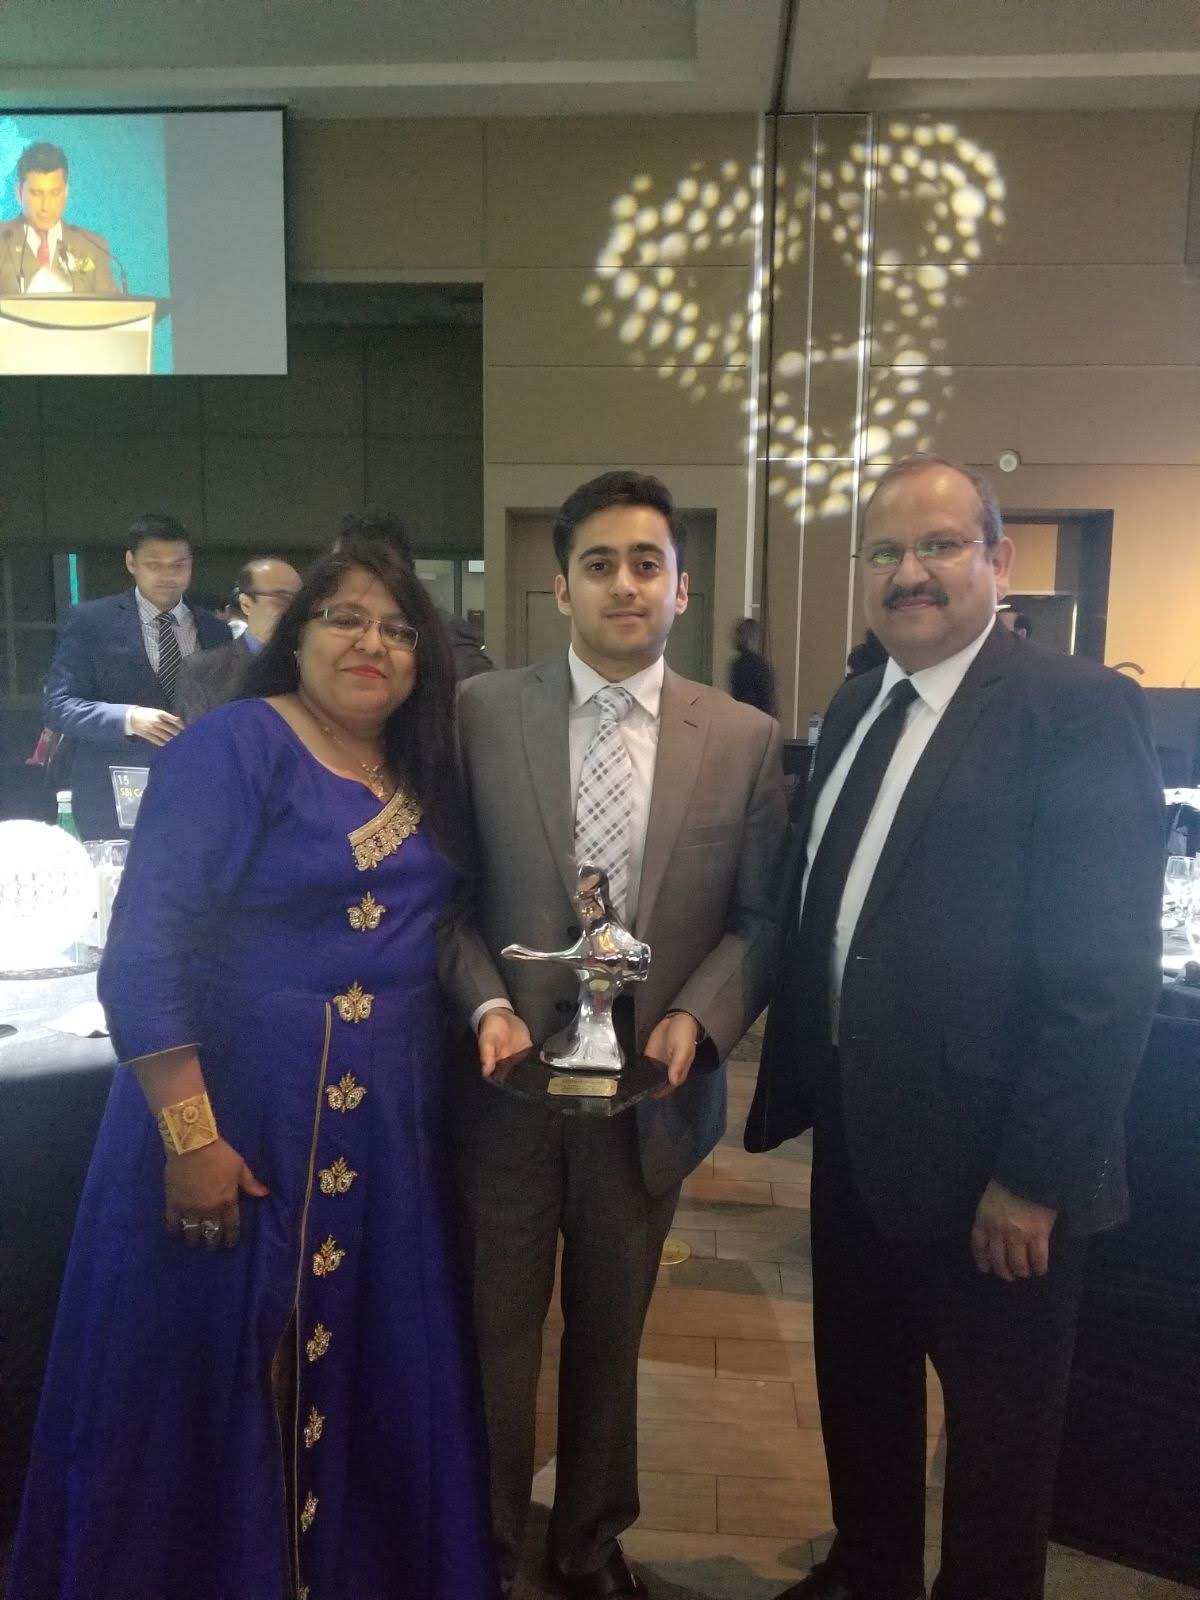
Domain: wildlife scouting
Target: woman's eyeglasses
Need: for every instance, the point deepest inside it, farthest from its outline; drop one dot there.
(348, 623)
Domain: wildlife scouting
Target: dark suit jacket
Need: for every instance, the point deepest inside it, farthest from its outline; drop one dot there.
(717, 818)
(210, 678)
(89, 264)
(470, 658)
(100, 667)
(1005, 967)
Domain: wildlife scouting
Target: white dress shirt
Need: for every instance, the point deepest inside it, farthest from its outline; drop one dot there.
(639, 729)
(185, 634)
(936, 687)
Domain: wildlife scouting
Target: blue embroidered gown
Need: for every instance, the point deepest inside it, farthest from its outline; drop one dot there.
(272, 913)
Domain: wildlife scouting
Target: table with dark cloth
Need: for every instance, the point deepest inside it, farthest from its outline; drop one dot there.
(1129, 1473)
(53, 1088)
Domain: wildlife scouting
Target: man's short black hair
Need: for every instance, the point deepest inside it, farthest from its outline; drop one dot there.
(42, 157)
(375, 523)
(623, 488)
(157, 525)
(991, 521)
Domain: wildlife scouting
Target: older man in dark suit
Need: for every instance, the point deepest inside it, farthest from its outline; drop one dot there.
(970, 962)
(603, 755)
(209, 678)
(113, 682)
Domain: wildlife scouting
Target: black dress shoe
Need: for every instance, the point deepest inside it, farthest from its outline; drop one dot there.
(612, 1581)
(823, 1583)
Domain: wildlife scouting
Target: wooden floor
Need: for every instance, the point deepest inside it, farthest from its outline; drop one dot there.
(735, 1503)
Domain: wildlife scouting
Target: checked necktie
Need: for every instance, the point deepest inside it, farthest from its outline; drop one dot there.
(813, 945)
(605, 802)
(169, 658)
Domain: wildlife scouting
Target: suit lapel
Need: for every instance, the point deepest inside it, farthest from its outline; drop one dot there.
(844, 714)
(545, 703)
(938, 757)
(683, 723)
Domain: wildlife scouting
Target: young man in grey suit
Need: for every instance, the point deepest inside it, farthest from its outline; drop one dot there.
(687, 788)
(40, 248)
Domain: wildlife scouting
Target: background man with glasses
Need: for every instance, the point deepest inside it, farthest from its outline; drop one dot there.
(969, 962)
(265, 588)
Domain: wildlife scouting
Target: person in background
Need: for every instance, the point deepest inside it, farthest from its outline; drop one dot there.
(750, 677)
(470, 658)
(970, 962)
(1016, 622)
(264, 590)
(866, 655)
(40, 251)
(113, 682)
(275, 1393)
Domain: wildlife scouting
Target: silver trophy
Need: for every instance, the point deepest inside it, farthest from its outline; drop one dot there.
(585, 1058)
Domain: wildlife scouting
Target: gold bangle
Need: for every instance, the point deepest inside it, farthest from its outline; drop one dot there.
(187, 1125)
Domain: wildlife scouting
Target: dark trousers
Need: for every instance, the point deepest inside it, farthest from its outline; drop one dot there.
(528, 1176)
(1002, 1352)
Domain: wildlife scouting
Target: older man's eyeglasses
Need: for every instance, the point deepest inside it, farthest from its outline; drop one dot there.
(349, 624)
(942, 551)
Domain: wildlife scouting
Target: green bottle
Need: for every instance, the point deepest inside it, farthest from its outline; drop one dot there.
(66, 818)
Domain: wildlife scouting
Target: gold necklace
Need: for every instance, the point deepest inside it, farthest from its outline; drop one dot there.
(375, 773)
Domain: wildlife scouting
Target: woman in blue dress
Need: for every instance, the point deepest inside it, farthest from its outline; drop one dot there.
(261, 1385)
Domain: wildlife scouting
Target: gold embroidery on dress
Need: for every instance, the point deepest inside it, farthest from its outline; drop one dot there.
(302, 1592)
(365, 916)
(318, 1342)
(313, 1428)
(346, 1094)
(328, 1258)
(384, 834)
(355, 1004)
(336, 1178)
(309, 1512)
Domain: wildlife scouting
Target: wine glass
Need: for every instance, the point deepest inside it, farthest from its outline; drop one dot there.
(1177, 890)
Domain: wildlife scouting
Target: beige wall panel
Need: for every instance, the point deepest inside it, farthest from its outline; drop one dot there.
(573, 316)
(20, 488)
(959, 412)
(1073, 186)
(98, 486)
(322, 392)
(425, 382)
(280, 491)
(436, 485)
(614, 415)
(390, 194)
(120, 405)
(1044, 316)
(1036, 554)
(1147, 415)
(1154, 591)
(552, 186)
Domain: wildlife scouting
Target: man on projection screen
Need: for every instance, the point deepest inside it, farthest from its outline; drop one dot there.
(39, 252)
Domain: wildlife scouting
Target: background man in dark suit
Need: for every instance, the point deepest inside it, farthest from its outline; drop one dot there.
(971, 959)
(41, 242)
(692, 812)
(112, 684)
(263, 591)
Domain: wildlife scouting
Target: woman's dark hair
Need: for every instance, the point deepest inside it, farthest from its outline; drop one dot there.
(617, 489)
(419, 736)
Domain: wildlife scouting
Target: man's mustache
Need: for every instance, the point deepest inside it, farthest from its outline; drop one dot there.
(918, 591)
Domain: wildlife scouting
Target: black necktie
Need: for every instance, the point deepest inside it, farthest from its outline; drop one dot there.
(169, 658)
(813, 945)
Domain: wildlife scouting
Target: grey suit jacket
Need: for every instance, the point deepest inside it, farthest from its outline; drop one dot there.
(209, 678)
(705, 905)
(89, 264)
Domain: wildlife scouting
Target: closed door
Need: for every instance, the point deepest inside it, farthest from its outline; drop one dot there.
(537, 629)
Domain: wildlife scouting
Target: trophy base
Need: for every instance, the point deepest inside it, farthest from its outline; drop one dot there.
(579, 1094)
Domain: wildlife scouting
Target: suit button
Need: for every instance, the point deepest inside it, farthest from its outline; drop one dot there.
(564, 1007)
(572, 930)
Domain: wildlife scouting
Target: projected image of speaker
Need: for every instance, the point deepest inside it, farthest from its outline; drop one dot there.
(142, 242)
